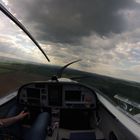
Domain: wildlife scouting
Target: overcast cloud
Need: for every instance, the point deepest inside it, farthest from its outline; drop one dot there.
(104, 33)
(66, 21)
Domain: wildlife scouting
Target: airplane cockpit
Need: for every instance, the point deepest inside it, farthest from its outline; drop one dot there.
(72, 106)
(60, 108)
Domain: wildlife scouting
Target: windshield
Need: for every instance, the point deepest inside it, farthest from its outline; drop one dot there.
(104, 34)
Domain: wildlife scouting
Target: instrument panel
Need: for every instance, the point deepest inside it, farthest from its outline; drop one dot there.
(57, 95)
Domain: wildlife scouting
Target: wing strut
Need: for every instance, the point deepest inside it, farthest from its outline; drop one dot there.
(6, 12)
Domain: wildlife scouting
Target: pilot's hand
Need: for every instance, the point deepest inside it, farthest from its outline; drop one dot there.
(22, 115)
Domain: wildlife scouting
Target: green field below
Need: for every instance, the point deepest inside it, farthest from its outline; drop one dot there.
(2, 70)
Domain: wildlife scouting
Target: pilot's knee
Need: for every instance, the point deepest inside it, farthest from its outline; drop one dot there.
(44, 117)
(42, 121)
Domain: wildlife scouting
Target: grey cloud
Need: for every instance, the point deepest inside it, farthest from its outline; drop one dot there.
(6, 49)
(9, 49)
(66, 21)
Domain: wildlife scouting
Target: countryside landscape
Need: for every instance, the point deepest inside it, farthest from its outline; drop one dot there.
(15, 74)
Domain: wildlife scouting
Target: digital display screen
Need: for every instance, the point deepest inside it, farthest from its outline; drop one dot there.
(33, 93)
(73, 95)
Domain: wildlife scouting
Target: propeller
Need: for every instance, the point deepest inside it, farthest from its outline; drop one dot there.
(60, 72)
(20, 25)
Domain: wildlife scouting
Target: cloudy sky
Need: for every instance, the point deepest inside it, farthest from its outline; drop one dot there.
(105, 34)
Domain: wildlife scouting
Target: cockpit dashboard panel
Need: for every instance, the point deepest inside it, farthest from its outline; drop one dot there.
(56, 94)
